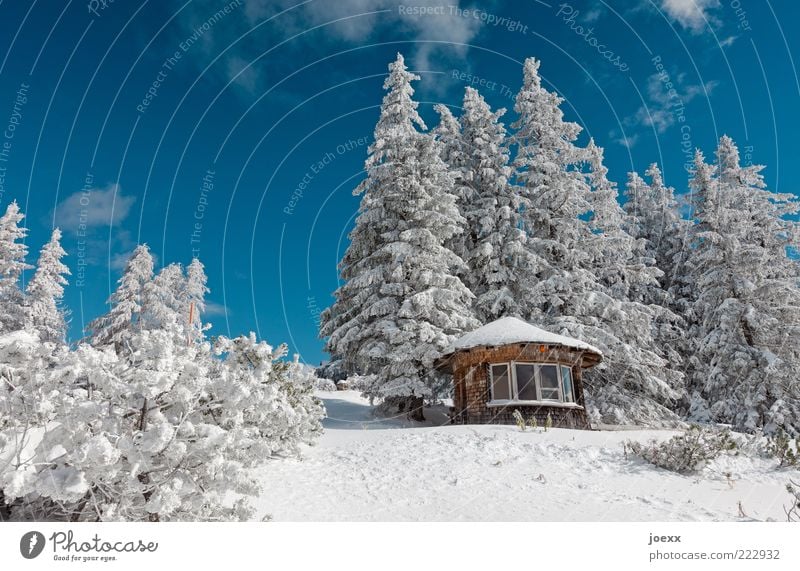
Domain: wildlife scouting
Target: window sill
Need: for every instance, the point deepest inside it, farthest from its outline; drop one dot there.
(499, 403)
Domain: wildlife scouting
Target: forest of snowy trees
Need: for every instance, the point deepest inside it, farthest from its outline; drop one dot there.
(697, 315)
(146, 419)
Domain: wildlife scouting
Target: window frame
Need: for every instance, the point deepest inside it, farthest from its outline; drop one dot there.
(513, 387)
(571, 382)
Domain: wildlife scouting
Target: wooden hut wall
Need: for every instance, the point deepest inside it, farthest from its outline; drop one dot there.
(472, 391)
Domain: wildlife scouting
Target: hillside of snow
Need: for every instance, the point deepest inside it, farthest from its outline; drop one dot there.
(368, 469)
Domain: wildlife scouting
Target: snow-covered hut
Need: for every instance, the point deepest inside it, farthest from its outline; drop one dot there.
(511, 365)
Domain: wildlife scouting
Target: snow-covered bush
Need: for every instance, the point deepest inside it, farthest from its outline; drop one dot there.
(687, 452)
(149, 421)
(306, 374)
(793, 510)
(360, 382)
(518, 418)
(781, 447)
(134, 438)
(274, 409)
(321, 384)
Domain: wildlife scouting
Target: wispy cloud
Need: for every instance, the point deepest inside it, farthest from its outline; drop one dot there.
(94, 208)
(214, 308)
(694, 15)
(664, 101)
(351, 22)
(627, 140)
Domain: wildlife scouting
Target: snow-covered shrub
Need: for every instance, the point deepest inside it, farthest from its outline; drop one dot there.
(793, 510)
(519, 419)
(305, 374)
(687, 452)
(134, 438)
(321, 384)
(333, 370)
(278, 407)
(148, 421)
(780, 447)
(360, 382)
(162, 431)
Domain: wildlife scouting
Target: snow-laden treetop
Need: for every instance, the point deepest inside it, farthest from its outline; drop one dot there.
(508, 330)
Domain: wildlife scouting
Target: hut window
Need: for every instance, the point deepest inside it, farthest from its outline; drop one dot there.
(501, 382)
(566, 383)
(531, 383)
(526, 381)
(548, 382)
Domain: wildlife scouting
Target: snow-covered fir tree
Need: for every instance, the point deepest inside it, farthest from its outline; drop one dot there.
(746, 303)
(655, 219)
(628, 270)
(162, 302)
(194, 299)
(634, 384)
(12, 263)
(45, 292)
(125, 302)
(499, 266)
(451, 149)
(554, 194)
(621, 262)
(401, 302)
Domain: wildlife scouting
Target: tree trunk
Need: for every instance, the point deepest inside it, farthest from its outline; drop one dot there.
(5, 509)
(414, 406)
(145, 479)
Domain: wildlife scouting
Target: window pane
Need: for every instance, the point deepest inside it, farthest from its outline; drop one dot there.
(500, 389)
(526, 382)
(548, 382)
(566, 380)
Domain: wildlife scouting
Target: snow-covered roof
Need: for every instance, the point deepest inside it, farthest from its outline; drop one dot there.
(508, 330)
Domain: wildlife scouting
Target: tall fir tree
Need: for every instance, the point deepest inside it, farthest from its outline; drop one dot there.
(194, 299)
(554, 194)
(45, 292)
(655, 219)
(621, 261)
(498, 262)
(746, 297)
(126, 302)
(451, 149)
(401, 303)
(12, 263)
(162, 305)
(634, 383)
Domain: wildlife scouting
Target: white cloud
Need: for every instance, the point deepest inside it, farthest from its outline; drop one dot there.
(96, 207)
(661, 111)
(353, 22)
(593, 15)
(120, 259)
(627, 140)
(693, 15)
(246, 77)
(213, 308)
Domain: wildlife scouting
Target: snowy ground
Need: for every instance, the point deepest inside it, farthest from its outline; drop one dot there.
(364, 469)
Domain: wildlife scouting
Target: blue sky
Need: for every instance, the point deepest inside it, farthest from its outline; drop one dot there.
(236, 130)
